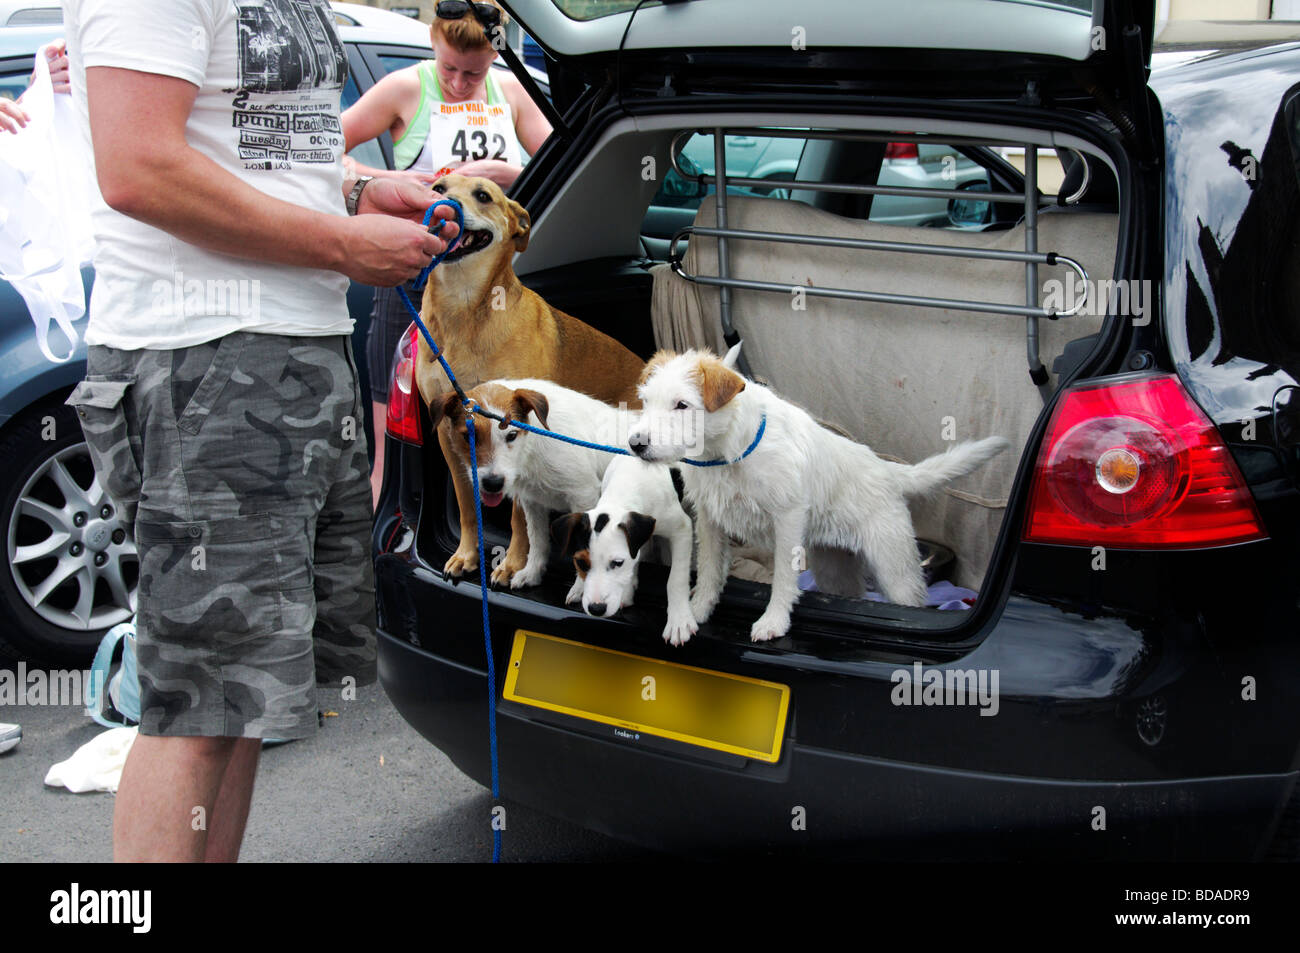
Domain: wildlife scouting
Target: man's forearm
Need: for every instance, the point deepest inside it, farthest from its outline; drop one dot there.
(183, 192)
(148, 170)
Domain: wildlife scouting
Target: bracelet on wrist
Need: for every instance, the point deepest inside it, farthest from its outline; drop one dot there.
(355, 195)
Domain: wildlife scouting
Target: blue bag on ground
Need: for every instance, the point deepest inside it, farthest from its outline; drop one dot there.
(114, 701)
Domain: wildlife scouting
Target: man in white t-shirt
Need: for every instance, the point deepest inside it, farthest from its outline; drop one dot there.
(220, 404)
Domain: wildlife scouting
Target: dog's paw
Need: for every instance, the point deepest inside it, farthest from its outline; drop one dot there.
(530, 575)
(575, 591)
(770, 625)
(462, 561)
(681, 626)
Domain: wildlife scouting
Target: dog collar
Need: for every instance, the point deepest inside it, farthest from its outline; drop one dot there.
(762, 425)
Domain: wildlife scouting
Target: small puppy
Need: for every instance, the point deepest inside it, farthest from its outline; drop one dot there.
(638, 500)
(803, 485)
(538, 473)
(489, 326)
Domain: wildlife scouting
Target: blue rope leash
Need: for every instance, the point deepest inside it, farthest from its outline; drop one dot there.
(487, 644)
(478, 519)
(473, 408)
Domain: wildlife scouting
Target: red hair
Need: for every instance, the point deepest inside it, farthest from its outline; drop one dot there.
(465, 35)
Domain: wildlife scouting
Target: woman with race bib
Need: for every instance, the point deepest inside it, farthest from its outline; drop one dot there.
(452, 113)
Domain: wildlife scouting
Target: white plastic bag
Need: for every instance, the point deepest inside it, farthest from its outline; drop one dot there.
(96, 765)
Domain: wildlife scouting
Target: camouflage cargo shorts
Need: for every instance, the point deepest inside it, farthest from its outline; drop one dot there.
(242, 465)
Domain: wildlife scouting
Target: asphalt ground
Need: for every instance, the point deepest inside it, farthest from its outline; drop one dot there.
(366, 788)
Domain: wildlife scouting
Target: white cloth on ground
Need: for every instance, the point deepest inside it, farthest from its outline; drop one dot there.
(96, 765)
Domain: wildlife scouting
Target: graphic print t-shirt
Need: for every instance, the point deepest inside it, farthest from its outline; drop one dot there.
(269, 74)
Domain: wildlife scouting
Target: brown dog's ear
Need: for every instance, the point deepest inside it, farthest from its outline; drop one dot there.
(525, 401)
(639, 528)
(718, 383)
(443, 406)
(571, 533)
(659, 359)
(523, 223)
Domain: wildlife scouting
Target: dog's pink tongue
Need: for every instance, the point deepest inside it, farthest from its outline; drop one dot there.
(492, 499)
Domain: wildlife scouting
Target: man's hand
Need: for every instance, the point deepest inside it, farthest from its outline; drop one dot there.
(405, 197)
(388, 243)
(386, 250)
(502, 173)
(56, 55)
(12, 116)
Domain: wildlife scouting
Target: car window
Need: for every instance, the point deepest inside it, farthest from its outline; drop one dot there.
(779, 159)
(774, 160)
(368, 152)
(391, 62)
(1050, 171)
(771, 159)
(14, 84)
(929, 165)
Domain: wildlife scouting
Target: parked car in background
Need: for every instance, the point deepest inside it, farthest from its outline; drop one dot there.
(1135, 555)
(25, 13)
(68, 569)
(770, 163)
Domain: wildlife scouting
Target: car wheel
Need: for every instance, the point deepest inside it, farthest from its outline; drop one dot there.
(70, 569)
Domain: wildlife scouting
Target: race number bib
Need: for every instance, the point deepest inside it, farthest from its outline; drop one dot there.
(469, 132)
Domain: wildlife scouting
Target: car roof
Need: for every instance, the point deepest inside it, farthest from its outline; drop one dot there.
(1062, 28)
(355, 22)
(1184, 42)
(358, 22)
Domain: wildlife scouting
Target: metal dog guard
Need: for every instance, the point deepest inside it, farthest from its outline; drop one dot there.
(1031, 256)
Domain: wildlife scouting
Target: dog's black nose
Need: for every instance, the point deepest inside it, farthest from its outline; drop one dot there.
(638, 444)
(492, 484)
(596, 608)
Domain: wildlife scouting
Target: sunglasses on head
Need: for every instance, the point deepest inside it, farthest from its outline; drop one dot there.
(487, 14)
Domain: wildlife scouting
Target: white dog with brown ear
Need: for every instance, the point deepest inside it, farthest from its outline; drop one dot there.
(801, 486)
(638, 500)
(538, 472)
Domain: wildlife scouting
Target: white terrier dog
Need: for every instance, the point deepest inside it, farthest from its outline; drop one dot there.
(539, 472)
(802, 485)
(638, 500)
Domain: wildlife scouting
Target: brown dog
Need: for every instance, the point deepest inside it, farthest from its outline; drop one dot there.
(490, 326)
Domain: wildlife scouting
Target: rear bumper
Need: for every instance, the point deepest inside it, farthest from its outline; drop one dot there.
(1136, 717)
(815, 800)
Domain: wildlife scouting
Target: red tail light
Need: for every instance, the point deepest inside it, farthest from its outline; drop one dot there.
(902, 150)
(1135, 464)
(403, 397)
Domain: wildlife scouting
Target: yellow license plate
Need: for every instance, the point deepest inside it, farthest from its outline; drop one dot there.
(744, 716)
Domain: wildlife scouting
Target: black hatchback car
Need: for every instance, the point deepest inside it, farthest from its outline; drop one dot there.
(1109, 675)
